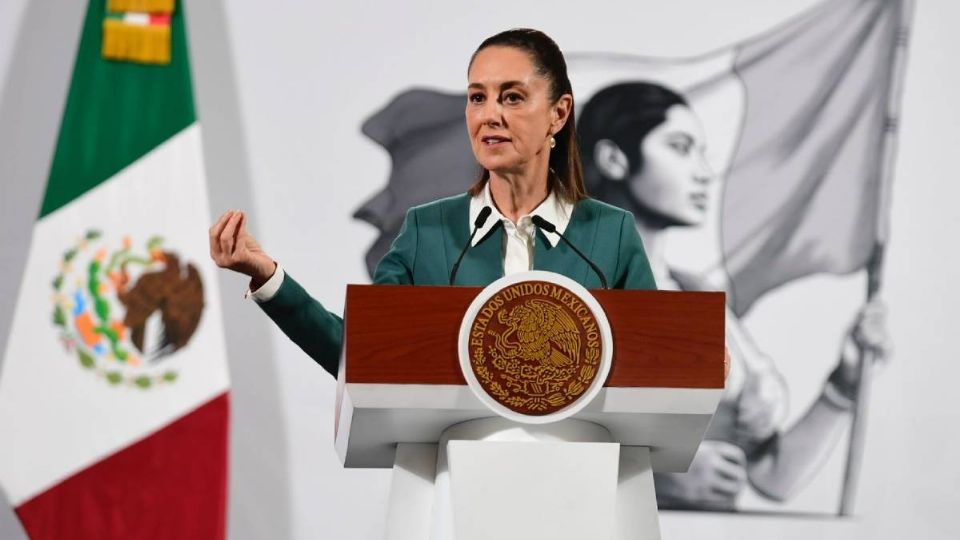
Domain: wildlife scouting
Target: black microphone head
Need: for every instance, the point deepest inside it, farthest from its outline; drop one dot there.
(482, 217)
(543, 224)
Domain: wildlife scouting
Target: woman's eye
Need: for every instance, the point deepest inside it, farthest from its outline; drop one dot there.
(512, 98)
(681, 148)
(475, 98)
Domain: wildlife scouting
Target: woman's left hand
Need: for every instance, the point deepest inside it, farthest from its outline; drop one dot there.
(726, 363)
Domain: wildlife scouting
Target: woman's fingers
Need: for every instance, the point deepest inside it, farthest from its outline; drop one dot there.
(724, 471)
(215, 231)
(731, 453)
(224, 241)
(232, 247)
(228, 235)
(726, 487)
(870, 331)
(244, 240)
(726, 363)
(242, 226)
(729, 470)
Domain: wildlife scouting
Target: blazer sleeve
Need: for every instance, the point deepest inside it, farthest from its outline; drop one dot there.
(317, 331)
(633, 267)
(307, 323)
(396, 267)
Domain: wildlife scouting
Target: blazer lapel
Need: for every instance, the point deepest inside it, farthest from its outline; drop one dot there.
(483, 263)
(560, 258)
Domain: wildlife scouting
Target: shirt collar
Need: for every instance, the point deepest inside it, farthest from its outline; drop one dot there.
(552, 209)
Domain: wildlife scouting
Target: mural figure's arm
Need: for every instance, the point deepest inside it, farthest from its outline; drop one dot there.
(746, 445)
(788, 460)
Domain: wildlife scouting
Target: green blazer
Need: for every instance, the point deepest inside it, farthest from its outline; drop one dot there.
(429, 242)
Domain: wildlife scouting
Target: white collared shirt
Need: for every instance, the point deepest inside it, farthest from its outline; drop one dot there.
(520, 238)
(518, 242)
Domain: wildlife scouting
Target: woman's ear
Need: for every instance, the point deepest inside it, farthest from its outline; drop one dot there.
(561, 112)
(610, 159)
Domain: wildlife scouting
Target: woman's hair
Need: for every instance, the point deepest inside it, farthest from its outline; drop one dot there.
(624, 113)
(566, 177)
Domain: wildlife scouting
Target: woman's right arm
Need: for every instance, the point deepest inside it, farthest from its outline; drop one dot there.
(318, 332)
(307, 323)
(304, 320)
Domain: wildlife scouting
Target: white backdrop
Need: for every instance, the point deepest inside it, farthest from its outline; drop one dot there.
(305, 74)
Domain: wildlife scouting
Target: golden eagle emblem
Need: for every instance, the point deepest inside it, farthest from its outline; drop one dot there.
(535, 347)
(539, 331)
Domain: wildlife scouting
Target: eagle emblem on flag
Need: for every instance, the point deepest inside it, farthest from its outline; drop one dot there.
(123, 312)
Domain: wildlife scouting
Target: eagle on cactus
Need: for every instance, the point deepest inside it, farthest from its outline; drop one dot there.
(124, 311)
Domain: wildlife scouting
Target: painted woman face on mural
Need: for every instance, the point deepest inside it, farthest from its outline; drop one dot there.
(675, 178)
(643, 149)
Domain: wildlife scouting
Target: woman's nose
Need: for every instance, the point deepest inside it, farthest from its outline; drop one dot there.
(703, 173)
(492, 113)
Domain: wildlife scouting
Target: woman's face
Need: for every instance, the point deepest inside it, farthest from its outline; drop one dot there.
(510, 117)
(675, 178)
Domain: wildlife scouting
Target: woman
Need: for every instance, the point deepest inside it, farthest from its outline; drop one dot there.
(644, 151)
(522, 131)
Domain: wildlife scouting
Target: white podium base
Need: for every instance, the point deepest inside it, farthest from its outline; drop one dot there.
(492, 478)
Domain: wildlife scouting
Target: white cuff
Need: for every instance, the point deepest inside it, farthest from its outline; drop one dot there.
(269, 289)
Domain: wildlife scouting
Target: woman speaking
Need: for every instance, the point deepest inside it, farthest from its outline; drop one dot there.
(521, 125)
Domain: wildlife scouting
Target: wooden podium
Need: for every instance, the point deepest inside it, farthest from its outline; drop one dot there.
(462, 472)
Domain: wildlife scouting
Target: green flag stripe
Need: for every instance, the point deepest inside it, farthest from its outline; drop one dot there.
(116, 111)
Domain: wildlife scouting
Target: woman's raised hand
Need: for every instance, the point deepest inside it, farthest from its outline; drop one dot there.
(232, 247)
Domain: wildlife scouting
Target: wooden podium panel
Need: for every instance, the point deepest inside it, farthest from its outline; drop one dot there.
(398, 334)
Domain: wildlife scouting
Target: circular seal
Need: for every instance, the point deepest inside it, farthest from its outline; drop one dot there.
(535, 347)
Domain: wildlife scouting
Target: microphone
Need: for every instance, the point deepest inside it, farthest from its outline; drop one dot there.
(477, 223)
(550, 227)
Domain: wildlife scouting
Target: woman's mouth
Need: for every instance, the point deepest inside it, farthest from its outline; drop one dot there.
(699, 200)
(494, 140)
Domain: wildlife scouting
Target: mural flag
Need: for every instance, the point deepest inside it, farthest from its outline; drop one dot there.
(114, 389)
(806, 188)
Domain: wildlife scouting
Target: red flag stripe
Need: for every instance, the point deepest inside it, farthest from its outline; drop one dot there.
(172, 484)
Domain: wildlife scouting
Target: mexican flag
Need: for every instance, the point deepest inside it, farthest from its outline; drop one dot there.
(114, 385)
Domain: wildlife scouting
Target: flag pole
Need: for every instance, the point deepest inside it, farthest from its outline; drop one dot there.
(851, 475)
(874, 267)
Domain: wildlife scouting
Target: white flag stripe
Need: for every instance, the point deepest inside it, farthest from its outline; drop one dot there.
(139, 19)
(61, 418)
